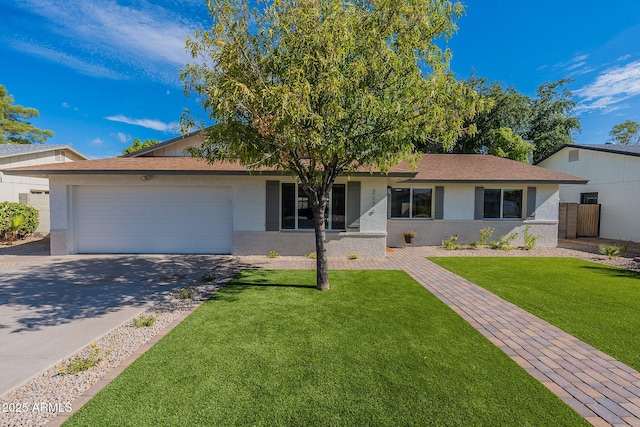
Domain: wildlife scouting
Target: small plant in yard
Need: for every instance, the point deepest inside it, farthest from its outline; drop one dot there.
(80, 364)
(485, 235)
(185, 293)
(504, 242)
(354, 256)
(410, 234)
(14, 225)
(312, 255)
(611, 251)
(451, 244)
(273, 254)
(529, 239)
(208, 277)
(143, 321)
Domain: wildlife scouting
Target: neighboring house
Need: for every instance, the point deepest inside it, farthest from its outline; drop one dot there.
(30, 190)
(614, 183)
(159, 201)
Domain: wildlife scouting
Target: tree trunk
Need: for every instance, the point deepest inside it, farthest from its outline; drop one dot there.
(322, 267)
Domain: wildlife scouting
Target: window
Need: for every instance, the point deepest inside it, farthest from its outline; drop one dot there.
(505, 203)
(411, 202)
(589, 198)
(297, 213)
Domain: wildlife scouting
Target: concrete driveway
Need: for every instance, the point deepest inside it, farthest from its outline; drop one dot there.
(51, 307)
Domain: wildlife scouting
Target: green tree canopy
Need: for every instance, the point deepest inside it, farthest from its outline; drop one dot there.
(319, 88)
(14, 122)
(626, 133)
(138, 145)
(517, 126)
(551, 124)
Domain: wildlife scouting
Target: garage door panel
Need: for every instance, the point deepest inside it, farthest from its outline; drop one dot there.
(153, 220)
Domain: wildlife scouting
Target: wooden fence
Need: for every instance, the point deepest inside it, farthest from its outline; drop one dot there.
(578, 220)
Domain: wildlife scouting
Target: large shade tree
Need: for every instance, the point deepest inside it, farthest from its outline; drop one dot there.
(320, 88)
(14, 125)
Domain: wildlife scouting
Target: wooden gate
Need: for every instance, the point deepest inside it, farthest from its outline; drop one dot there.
(588, 221)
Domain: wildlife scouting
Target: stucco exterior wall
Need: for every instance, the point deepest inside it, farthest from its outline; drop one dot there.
(616, 179)
(458, 212)
(248, 194)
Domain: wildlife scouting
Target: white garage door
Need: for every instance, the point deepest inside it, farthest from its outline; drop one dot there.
(153, 220)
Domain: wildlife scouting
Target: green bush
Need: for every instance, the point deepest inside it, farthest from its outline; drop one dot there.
(610, 250)
(11, 210)
(504, 242)
(451, 244)
(529, 239)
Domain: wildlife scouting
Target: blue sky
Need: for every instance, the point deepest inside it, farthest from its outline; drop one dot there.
(103, 72)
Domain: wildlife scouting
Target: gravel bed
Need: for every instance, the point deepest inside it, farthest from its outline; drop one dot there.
(53, 391)
(586, 253)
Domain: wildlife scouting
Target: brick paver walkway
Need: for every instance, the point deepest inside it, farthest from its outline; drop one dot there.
(600, 388)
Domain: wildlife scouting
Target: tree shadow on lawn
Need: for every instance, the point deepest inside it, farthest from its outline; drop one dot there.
(612, 272)
(253, 279)
(84, 287)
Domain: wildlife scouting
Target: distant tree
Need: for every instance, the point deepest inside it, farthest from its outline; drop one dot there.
(516, 126)
(626, 133)
(499, 130)
(551, 124)
(321, 88)
(14, 125)
(138, 145)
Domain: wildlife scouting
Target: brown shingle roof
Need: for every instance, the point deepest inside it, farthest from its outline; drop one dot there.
(482, 168)
(432, 167)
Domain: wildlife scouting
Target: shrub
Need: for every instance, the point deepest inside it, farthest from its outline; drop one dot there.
(11, 210)
(272, 254)
(451, 244)
(185, 293)
(354, 256)
(208, 277)
(312, 255)
(529, 239)
(504, 242)
(410, 234)
(610, 250)
(485, 235)
(80, 364)
(143, 321)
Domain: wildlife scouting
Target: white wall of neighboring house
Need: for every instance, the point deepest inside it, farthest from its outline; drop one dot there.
(616, 179)
(30, 190)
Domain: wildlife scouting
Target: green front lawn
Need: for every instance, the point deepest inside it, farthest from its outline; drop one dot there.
(378, 349)
(598, 304)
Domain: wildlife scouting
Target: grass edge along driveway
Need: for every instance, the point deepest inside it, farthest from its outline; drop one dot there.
(378, 349)
(595, 303)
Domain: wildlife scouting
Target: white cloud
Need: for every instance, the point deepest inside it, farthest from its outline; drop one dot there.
(624, 57)
(97, 142)
(65, 105)
(134, 37)
(67, 59)
(146, 123)
(611, 88)
(122, 137)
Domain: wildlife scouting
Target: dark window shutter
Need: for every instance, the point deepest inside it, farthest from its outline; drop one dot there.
(273, 203)
(353, 206)
(478, 211)
(439, 208)
(531, 202)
